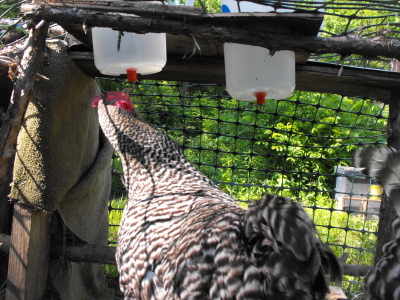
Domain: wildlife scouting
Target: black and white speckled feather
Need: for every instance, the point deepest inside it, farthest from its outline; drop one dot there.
(382, 164)
(181, 237)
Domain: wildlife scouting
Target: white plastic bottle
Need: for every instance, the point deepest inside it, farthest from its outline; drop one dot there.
(251, 73)
(143, 53)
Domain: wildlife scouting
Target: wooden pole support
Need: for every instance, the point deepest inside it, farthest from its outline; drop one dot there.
(29, 254)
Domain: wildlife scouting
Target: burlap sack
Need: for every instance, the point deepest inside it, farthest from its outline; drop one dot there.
(63, 164)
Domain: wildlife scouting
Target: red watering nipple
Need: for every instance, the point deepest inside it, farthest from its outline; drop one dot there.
(260, 97)
(132, 74)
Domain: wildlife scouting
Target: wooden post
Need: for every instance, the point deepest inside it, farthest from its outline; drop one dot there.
(387, 214)
(29, 254)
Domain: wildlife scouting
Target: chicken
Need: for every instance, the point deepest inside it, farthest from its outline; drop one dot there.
(382, 164)
(181, 237)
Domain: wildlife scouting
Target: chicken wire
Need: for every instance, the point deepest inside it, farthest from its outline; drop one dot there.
(296, 147)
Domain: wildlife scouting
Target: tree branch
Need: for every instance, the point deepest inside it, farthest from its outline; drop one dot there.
(212, 26)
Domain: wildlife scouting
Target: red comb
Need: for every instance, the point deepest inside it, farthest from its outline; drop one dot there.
(95, 100)
(122, 100)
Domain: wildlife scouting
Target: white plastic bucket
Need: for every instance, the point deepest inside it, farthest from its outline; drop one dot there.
(145, 52)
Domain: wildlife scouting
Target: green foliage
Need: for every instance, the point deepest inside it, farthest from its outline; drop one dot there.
(10, 8)
(114, 217)
(366, 23)
(210, 6)
(282, 145)
(116, 206)
(354, 234)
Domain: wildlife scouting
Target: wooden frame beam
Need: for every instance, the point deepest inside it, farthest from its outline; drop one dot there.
(200, 36)
(106, 255)
(312, 76)
(216, 27)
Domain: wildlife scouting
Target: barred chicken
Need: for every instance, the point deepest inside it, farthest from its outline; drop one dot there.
(382, 164)
(181, 237)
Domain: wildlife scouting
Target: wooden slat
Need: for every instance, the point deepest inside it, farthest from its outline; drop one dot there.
(352, 81)
(312, 77)
(106, 255)
(29, 254)
(139, 8)
(295, 23)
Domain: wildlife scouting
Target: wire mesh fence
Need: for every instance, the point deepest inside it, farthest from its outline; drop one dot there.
(298, 147)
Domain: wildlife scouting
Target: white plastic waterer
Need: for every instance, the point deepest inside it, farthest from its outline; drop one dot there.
(138, 53)
(251, 72)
